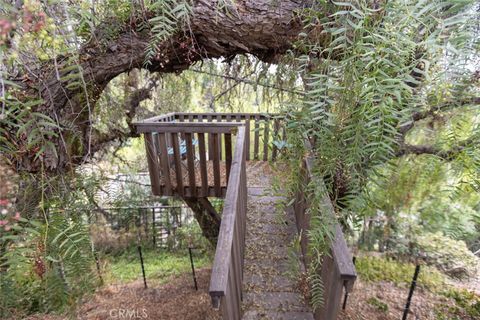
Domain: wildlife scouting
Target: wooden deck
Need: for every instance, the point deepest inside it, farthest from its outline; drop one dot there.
(269, 291)
(249, 274)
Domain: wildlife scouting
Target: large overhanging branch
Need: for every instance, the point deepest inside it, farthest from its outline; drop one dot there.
(262, 28)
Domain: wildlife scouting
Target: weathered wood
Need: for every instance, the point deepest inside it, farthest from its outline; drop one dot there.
(227, 271)
(190, 162)
(210, 140)
(219, 120)
(152, 160)
(162, 117)
(178, 163)
(203, 164)
(216, 163)
(257, 137)
(181, 118)
(247, 138)
(217, 127)
(337, 271)
(266, 125)
(276, 127)
(192, 125)
(165, 168)
(222, 115)
(228, 154)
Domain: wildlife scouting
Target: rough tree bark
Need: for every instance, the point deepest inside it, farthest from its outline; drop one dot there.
(263, 28)
(207, 217)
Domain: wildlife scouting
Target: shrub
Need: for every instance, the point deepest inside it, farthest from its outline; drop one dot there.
(380, 305)
(448, 255)
(386, 269)
(467, 305)
(108, 241)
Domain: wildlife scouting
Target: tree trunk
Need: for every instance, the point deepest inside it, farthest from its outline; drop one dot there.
(263, 28)
(207, 217)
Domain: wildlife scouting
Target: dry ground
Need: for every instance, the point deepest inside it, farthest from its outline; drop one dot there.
(177, 300)
(422, 307)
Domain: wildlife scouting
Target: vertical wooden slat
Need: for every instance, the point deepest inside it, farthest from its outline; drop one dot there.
(152, 160)
(276, 125)
(203, 164)
(216, 165)
(162, 142)
(181, 118)
(247, 137)
(228, 153)
(257, 137)
(265, 139)
(178, 163)
(169, 145)
(210, 140)
(219, 119)
(191, 163)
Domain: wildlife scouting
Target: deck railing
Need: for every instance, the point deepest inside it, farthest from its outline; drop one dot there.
(337, 270)
(227, 272)
(177, 167)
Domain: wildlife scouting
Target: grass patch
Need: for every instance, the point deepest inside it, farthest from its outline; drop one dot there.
(467, 304)
(380, 305)
(159, 265)
(400, 273)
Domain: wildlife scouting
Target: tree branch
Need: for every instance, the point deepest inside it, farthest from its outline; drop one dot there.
(433, 150)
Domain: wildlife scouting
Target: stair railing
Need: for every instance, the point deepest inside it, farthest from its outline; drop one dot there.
(337, 270)
(227, 272)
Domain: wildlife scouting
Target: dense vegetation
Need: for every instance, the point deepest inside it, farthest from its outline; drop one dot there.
(386, 92)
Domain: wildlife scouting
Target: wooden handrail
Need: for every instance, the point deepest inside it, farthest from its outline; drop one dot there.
(337, 270)
(190, 154)
(191, 127)
(189, 116)
(227, 272)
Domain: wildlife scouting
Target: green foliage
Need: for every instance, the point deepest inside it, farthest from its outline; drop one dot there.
(367, 71)
(384, 269)
(365, 86)
(450, 256)
(159, 266)
(466, 302)
(380, 305)
(170, 15)
(48, 266)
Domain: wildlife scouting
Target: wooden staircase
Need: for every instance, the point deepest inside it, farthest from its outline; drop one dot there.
(270, 288)
(249, 275)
